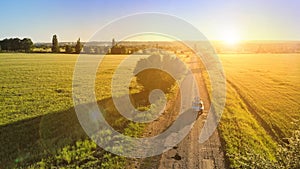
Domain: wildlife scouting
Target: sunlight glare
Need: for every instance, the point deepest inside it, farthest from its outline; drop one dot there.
(230, 37)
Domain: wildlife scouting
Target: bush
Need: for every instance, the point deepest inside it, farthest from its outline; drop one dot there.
(159, 71)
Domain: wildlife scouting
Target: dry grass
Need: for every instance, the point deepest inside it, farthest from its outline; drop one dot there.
(262, 106)
(271, 82)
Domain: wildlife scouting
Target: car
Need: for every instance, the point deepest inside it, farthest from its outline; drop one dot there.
(198, 105)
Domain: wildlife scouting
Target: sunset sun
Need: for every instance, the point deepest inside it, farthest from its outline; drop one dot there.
(230, 37)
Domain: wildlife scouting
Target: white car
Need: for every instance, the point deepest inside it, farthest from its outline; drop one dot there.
(198, 105)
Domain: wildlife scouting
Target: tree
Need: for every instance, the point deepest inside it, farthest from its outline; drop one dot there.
(87, 49)
(78, 46)
(26, 44)
(113, 43)
(68, 49)
(97, 50)
(55, 47)
(163, 72)
(16, 45)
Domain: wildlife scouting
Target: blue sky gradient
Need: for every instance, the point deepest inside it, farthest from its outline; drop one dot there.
(251, 20)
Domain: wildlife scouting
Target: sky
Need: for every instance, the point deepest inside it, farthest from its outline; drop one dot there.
(216, 19)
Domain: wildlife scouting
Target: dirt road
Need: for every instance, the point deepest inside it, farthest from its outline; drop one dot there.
(189, 153)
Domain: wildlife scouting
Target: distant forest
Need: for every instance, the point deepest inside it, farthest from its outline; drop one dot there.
(137, 47)
(16, 45)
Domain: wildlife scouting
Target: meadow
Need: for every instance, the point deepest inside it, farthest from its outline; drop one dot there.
(39, 127)
(38, 84)
(262, 106)
(37, 117)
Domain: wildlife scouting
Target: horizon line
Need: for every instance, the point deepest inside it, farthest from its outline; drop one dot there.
(241, 41)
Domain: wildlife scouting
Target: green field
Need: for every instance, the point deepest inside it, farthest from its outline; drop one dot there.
(37, 117)
(38, 84)
(39, 127)
(262, 105)
(28, 88)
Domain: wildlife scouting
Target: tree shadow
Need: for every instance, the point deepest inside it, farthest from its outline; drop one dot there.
(28, 141)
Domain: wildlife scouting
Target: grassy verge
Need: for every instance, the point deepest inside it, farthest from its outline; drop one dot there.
(261, 109)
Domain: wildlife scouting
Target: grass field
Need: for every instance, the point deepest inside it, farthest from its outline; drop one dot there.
(38, 84)
(28, 88)
(262, 105)
(37, 117)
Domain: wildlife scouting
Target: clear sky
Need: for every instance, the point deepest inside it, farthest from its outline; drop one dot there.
(216, 19)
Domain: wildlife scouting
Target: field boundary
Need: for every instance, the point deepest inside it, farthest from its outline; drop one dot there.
(276, 135)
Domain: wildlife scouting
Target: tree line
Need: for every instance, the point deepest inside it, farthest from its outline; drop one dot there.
(26, 45)
(68, 48)
(16, 45)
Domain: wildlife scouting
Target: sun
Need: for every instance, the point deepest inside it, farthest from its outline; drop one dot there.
(230, 37)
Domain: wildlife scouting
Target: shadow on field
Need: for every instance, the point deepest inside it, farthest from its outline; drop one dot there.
(28, 141)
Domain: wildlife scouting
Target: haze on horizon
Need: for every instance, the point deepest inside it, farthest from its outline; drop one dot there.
(230, 20)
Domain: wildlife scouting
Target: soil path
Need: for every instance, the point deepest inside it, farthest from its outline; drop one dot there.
(189, 153)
